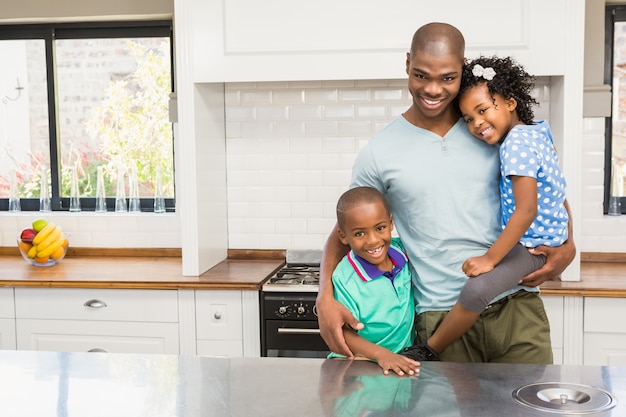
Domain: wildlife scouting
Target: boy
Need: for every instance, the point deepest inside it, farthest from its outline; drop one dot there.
(374, 282)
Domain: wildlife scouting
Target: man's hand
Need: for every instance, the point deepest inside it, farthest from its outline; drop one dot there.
(332, 316)
(557, 259)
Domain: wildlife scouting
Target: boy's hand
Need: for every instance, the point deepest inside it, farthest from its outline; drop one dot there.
(400, 365)
(477, 265)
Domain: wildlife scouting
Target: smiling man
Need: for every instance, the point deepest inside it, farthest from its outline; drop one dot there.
(442, 188)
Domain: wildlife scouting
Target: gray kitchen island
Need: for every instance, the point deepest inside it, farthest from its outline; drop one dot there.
(104, 384)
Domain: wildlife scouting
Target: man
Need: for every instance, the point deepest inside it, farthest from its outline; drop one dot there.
(442, 188)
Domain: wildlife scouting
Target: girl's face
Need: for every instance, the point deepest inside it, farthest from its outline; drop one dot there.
(488, 117)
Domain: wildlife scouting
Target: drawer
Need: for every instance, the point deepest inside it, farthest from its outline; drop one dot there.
(97, 304)
(7, 308)
(100, 336)
(218, 315)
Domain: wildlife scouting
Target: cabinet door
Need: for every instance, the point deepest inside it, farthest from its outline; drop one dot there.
(220, 348)
(604, 331)
(218, 315)
(7, 307)
(283, 40)
(554, 309)
(99, 336)
(7, 334)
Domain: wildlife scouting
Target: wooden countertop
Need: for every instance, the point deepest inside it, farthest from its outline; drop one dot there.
(136, 272)
(243, 270)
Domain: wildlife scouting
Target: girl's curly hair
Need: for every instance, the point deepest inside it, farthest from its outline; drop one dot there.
(511, 81)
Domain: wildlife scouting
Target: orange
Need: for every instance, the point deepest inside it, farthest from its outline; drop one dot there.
(24, 246)
(58, 253)
(42, 260)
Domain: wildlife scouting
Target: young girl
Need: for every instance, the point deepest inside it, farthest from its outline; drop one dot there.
(495, 102)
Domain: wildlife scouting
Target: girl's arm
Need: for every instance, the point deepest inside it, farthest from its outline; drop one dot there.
(525, 193)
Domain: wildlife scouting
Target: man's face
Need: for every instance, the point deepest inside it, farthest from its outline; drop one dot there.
(434, 81)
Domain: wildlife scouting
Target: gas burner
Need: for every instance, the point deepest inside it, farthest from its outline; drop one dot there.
(295, 277)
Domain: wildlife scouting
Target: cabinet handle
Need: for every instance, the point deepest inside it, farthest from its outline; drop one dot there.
(93, 303)
(97, 350)
(217, 315)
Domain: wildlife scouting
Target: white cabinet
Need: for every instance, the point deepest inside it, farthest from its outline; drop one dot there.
(110, 320)
(283, 40)
(605, 331)
(227, 323)
(7, 319)
(554, 309)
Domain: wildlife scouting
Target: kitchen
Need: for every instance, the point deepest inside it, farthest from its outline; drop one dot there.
(255, 204)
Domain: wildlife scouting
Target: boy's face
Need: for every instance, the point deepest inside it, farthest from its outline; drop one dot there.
(488, 117)
(367, 230)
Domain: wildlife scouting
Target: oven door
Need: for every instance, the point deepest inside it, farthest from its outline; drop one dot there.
(294, 339)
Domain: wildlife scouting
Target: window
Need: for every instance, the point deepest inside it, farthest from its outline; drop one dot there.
(79, 97)
(615, 75)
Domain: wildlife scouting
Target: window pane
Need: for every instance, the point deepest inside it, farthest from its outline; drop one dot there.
(113, 112)
(24, 137)
(619, 110)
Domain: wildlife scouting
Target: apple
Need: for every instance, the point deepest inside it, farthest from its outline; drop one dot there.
(28, 235)
(39, 224)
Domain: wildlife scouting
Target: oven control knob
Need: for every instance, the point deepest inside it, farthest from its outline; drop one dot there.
(282, 310)
(301, 310)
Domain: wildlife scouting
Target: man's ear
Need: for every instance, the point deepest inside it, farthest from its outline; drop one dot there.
(408, 63)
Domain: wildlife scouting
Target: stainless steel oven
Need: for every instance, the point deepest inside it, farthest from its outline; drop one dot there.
(289, 325)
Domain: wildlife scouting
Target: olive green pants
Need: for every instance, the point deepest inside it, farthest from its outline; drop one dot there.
(516, 331)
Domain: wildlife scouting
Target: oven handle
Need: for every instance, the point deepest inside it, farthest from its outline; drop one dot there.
(294, 330)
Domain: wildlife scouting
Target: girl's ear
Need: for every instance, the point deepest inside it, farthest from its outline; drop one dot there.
(511, 104)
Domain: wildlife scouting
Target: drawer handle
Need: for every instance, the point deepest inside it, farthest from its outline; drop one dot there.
(97, 350)
(93, 303)
(217, 315)
(295, 330)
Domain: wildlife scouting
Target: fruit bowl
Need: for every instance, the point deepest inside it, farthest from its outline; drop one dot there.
(44, 244)
(47, 260)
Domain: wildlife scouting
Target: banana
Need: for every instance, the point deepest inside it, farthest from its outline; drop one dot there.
(43, 233)
(50, 249)
(52, 237)
(32, 252)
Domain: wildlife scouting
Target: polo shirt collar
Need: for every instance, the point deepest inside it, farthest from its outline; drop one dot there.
(368, 272)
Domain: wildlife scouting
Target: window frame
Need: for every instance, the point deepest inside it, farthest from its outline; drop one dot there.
(49, 32)
(613, 13)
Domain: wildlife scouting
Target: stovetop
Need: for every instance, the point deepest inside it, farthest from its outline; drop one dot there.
(300, 274)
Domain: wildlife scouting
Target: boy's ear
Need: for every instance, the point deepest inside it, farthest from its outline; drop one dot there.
(342, 236)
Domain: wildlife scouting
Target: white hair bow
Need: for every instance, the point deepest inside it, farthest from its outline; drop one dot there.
(487, 73)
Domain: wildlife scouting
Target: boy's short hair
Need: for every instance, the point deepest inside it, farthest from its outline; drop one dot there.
(357, 197)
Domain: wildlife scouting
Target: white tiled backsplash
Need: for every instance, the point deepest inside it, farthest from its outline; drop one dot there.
(290, 149)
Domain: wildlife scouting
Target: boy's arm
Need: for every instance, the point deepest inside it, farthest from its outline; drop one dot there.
(525, 193)
(386, 359)
(331, 314)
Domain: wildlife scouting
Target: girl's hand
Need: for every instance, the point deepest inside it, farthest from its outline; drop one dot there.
(477, 265)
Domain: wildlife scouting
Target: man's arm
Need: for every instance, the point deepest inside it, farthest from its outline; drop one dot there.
(331, 314)
(557, 259)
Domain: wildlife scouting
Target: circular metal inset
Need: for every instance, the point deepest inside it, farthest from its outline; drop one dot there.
(563, 398)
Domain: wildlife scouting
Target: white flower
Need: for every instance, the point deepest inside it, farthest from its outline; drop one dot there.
(487, 73)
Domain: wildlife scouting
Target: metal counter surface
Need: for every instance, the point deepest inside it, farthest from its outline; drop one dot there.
(103, 384)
